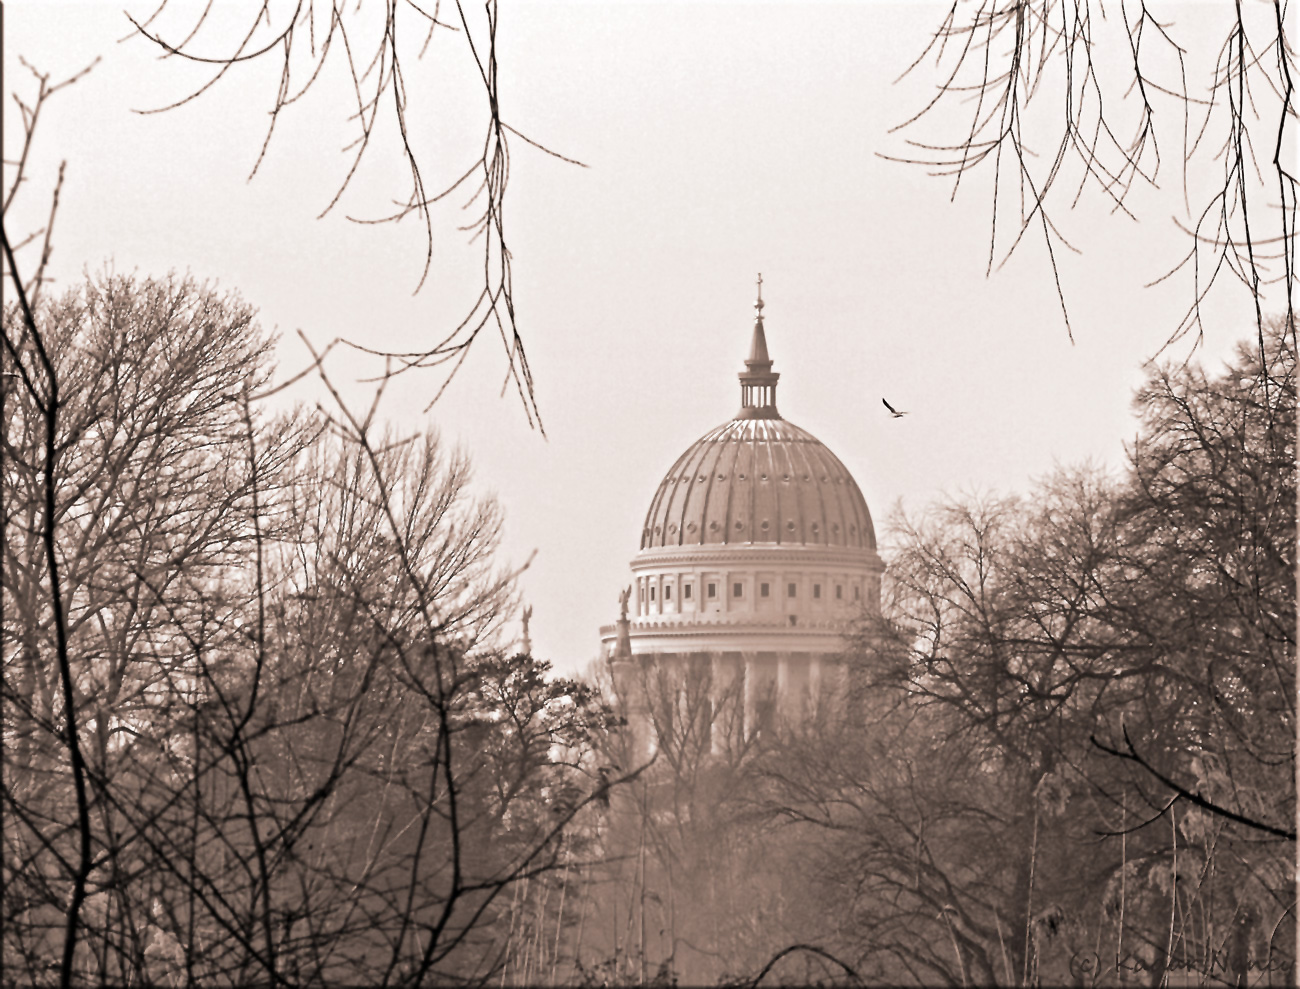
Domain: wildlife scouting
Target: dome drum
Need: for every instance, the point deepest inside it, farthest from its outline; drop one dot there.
(800, 583)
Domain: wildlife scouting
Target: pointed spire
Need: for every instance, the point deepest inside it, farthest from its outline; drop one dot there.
(758, 348)
(757, 381)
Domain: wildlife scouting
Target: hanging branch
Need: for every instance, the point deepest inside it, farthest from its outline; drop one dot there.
(379, 92)
(1003, 58)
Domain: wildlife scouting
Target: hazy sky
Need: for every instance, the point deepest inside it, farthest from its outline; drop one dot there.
(722, 141)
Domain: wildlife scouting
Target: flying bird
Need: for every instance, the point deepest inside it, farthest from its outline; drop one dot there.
(893, 411)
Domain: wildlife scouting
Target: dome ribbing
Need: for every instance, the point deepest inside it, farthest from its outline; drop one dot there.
(758, 479)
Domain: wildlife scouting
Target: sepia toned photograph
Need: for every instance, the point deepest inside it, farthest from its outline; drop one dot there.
(594, 493)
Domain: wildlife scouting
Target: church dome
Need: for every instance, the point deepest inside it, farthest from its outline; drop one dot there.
(757, 560)
(758, 480)
(755, 481)
(757, 549)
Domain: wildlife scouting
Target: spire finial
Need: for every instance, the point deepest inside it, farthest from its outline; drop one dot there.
(759, 304)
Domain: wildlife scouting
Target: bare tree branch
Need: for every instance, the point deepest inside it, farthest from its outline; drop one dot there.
(1131, 754)
(1011, 61)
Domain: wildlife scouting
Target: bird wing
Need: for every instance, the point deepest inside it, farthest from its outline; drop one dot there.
(890, 407)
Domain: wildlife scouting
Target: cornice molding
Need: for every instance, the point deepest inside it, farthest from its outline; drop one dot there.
(765, 640)
(723, 556)
(740, 624)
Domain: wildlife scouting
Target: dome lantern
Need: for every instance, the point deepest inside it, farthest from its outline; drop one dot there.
(758, 381)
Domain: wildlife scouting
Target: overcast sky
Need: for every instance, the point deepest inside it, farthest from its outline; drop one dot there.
(721, 141)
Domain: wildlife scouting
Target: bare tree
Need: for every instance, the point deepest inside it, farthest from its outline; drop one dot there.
(125, 510)
(282, 743)
(263, 728)
(1149, 617)
(914, 849)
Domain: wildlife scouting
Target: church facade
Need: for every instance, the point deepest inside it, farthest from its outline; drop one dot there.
(756, 555)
